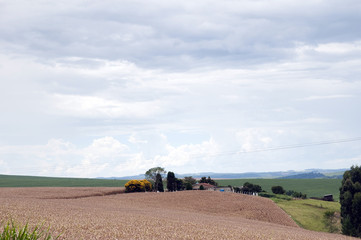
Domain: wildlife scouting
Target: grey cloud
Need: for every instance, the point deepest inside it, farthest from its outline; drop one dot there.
(156, 33)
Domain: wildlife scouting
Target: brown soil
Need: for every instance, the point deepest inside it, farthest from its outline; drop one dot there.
(97, 213)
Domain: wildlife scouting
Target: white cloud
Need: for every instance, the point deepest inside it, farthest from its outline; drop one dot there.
(97, 107)
(339, 48)
(133, 139)
(342, 162)
(326, 97)
(253, 139)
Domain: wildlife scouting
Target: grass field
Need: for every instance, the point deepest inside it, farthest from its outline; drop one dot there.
(309, 213)
(311, 187)
(27, 181)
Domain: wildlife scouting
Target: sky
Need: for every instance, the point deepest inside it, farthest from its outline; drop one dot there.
(114, 88)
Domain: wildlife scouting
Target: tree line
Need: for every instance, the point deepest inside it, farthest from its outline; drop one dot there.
(155, 177)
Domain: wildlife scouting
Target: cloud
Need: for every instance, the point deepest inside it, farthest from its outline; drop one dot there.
(326, 97)
(96, 107)
(128, 86)
(231, 32)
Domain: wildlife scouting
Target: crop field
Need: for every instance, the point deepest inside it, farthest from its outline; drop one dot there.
(311, 187)
(101, 213)
(29, 181)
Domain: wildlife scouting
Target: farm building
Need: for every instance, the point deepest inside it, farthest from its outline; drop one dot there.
(206, 186)
(328, 197)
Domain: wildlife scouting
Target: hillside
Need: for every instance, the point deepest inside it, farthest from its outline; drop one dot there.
(310, 175)
(32, 181)
(326, 173)
(179, 215)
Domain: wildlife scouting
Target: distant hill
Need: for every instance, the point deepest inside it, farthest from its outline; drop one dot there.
(310, 175)
(306, 174)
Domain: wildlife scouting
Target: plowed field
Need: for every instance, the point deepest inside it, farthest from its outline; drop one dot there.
(97, 213)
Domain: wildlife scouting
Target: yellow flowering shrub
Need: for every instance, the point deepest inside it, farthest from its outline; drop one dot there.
(134, 186)
(147, 184)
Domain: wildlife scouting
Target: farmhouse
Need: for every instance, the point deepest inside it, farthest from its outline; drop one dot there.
(206, 186)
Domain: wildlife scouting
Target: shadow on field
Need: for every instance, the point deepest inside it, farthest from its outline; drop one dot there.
(88, 195)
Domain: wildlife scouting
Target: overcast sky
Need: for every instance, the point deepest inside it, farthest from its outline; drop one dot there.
(113, 88)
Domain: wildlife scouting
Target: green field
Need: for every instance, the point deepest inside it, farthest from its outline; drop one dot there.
(28, 181)
(311, 187)
(310, 213)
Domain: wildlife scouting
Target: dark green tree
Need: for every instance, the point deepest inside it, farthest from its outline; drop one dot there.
(208, 180)
(249, 187)
(188, 186)
(171, 182)
(278, 190)
(190, 180)
(203, 180)
(179, 184)
(158, 186)
(350, 199)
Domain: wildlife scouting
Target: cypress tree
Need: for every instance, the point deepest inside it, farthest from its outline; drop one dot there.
(158, 183)
(171, 182)
(350, 199)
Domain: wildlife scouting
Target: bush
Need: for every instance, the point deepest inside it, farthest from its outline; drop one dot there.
(12, 232)
(296, 194)
(266, 195)
(147, 185)
(134, 186)
(201, 187)
(278, 190)
(330, 221)
(189, 186)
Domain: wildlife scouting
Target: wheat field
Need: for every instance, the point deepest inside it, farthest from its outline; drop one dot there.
(102, 213)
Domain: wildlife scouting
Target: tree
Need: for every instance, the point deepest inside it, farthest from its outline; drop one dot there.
(171, 182)
(190, 180)
(208, 180)
(249, 187)
(188, 186)
(179, 184)
(203, 180)
(350, 199)
(158, 186)
(278, 190)
(152, 173)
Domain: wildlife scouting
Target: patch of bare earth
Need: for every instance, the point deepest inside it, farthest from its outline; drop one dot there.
(97, 213)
